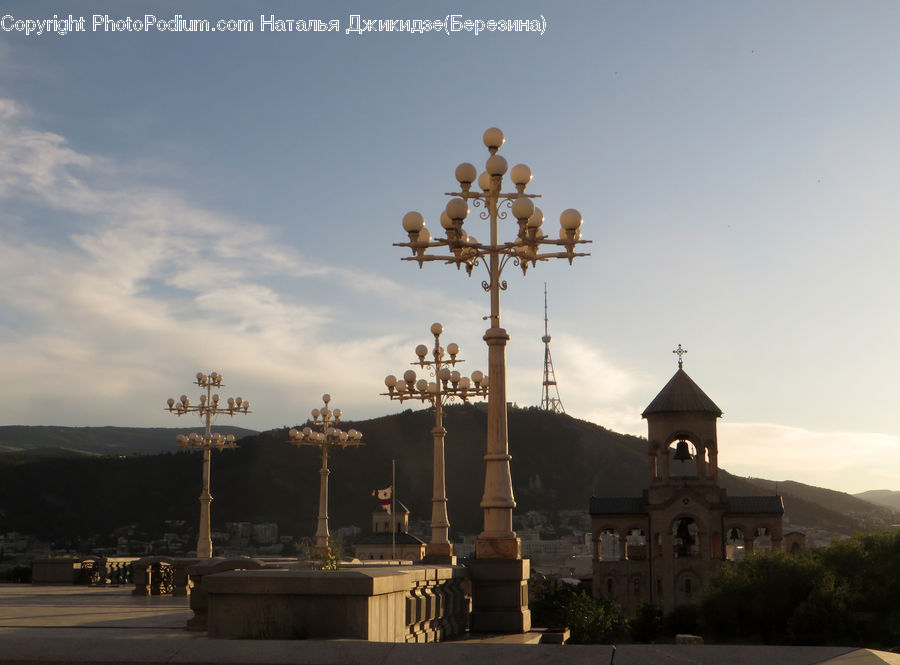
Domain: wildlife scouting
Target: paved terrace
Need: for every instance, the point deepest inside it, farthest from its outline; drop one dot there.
(73, 624)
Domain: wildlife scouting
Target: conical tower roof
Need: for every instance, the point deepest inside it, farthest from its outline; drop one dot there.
(681, 394)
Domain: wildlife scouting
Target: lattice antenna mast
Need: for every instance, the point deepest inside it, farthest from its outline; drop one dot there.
(550, 398)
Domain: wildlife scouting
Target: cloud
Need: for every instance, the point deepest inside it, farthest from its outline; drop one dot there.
(851, 461)
(111, 289)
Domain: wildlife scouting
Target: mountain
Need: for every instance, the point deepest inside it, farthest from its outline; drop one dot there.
(887, 498)
(98, 440)
(558, 463)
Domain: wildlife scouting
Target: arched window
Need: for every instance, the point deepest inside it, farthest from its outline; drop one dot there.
(685, 538)
(636, 545)
(734, 544)
(682, 459)
(763, 540)
(609, 545)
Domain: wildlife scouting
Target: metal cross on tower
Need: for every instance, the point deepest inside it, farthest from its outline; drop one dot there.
(548, 402)
(680, 352)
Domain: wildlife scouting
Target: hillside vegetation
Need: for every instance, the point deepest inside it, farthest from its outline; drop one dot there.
(558, 463)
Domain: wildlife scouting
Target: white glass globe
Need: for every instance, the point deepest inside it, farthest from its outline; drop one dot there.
(413, 222)
(570, 219)
(493, 138)
(496, 165)
(536, 218)
(523, 208)
(457, 209)
(466, 173)
(520, 174)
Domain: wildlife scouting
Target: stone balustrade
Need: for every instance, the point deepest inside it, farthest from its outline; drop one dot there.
(91, 570)
(382, 604)
(161, 576)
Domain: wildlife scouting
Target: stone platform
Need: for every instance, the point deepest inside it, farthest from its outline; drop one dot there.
(75, 625)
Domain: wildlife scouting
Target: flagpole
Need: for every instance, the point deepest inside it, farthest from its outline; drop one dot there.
(393, 511)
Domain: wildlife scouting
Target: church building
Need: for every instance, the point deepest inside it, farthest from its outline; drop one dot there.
(663, 547)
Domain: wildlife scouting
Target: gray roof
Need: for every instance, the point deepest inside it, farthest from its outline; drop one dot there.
(617, 505)
(681, 394)
(755, 504)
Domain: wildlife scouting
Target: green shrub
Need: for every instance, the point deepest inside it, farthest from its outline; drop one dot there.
(17, 574)
(646, 624)
(683, 619)
(590, 620)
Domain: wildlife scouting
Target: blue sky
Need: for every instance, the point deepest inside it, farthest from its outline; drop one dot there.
(175, 202)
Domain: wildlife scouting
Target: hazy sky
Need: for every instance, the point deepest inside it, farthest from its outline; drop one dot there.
(173, 202)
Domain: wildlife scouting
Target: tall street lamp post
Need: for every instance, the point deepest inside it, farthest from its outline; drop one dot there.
(497, 549)
(328, 436)
(209, 407)
(448, 384)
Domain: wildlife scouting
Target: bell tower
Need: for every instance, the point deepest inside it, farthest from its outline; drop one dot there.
(664, 546)
(682, 414)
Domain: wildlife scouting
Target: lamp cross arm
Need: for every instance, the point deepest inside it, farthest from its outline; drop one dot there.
(481, 195)
(556, 255)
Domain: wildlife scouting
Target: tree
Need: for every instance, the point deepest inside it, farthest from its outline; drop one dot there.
(590, 620)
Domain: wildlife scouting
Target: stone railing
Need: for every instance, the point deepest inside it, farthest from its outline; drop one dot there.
(161, 576)
(382, 604)
(437, 605)
(91, 570)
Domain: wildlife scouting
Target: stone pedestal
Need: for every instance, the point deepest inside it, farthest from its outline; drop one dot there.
(498, 548)
(500, 595)
(439, 554)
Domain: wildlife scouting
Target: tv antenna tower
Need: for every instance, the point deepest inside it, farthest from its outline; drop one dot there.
(550, 398)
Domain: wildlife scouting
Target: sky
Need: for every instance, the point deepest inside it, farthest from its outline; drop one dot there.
(174, 202)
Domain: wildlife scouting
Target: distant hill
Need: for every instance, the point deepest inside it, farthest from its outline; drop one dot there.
(887, 498)
(98, 440)
(559, 462)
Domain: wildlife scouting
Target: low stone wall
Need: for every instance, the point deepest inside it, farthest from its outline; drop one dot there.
(59, 570)
(385, 604)
(198, 571)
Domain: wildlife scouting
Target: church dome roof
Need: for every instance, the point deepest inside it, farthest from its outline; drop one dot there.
(681, 394)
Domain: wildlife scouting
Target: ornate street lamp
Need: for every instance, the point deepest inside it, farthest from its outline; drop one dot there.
(328, 436)
(209, 406)
(448, 384)
(528, 246)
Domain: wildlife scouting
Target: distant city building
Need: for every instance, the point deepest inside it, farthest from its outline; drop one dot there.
(382, 544)
(264, 534)
(664, 546)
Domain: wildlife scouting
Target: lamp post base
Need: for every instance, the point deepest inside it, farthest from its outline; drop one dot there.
(498, 548)
(500, 595)
(440, 554)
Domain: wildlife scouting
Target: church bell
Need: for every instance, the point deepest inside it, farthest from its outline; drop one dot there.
(682, 454)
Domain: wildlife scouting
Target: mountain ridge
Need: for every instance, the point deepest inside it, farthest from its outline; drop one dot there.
(558, 463)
